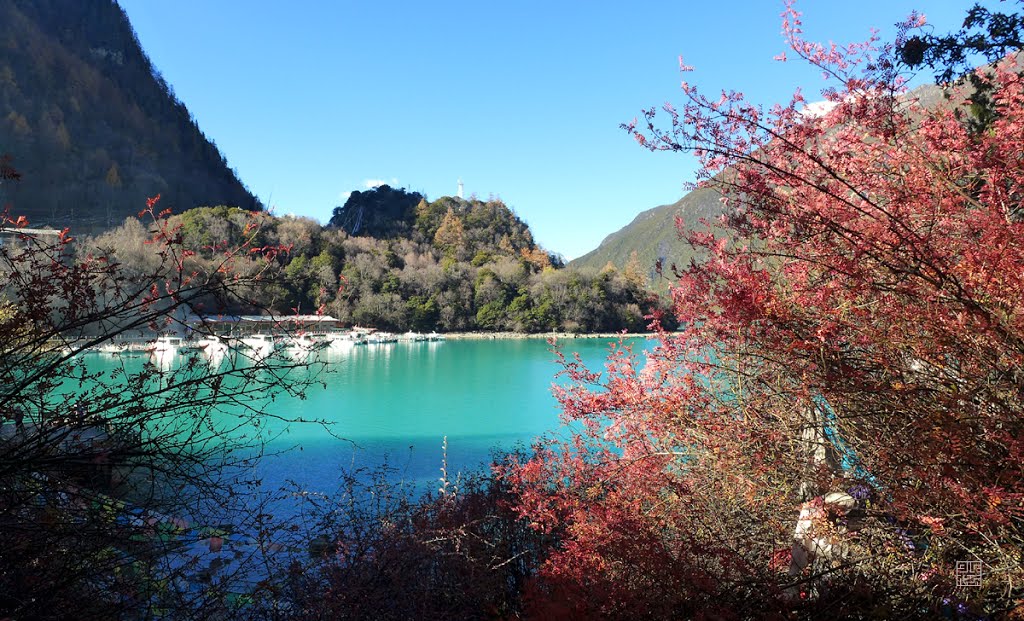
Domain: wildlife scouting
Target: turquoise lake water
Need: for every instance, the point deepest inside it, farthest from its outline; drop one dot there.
(398, 402)
(395, 403)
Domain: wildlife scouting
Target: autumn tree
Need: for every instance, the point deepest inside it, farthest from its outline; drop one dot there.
(109, 474)
(838, 422)
(985, 36)
(451, 235)
(634, 271)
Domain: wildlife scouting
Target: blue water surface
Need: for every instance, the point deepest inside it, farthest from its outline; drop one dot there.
(397, 403)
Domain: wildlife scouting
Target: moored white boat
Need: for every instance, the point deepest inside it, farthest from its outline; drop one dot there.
(361, 336)
(166, 344)
(212, 345)
(301, 345)
(380, 338)
(340, 340)
(163, 359)
(214, 349)
(112, 348)
(261, 345)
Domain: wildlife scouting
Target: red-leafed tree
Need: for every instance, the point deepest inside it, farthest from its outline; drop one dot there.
(837, 428)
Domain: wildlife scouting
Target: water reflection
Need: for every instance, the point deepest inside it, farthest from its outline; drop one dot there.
(163, 359)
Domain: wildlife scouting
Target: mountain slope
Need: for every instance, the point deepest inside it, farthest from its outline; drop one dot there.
(92, 126)
(653, 236)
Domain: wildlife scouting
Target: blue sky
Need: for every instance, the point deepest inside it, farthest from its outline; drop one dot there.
(522, 100)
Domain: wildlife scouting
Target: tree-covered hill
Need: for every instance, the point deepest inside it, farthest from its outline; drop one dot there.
(461, 265)
(91, 124)
(458, 226)
(380, 212)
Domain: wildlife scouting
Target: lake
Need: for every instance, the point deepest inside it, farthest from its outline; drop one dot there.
(398, 402)
(395, 403)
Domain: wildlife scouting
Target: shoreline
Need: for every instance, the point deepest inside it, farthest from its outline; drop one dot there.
(558, 336)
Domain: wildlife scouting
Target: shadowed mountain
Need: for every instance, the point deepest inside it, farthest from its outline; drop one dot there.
(381, 212)
(92, 126)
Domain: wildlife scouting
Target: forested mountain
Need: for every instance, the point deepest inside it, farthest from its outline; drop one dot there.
(652, 236)
(91, 124)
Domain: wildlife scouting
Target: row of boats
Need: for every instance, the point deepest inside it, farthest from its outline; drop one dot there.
(262, 345)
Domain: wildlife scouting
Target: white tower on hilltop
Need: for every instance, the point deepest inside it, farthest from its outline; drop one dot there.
(460, 189)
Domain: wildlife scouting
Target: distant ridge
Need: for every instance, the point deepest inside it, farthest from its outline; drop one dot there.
(653, 236)
(92, 126)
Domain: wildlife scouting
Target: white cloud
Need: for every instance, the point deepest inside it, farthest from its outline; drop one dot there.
(369, 184)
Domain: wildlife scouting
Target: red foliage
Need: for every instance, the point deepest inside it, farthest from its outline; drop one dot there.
(858, 328)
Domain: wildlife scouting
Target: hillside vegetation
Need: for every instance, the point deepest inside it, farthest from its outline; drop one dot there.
(446, 265)
(653, 236)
